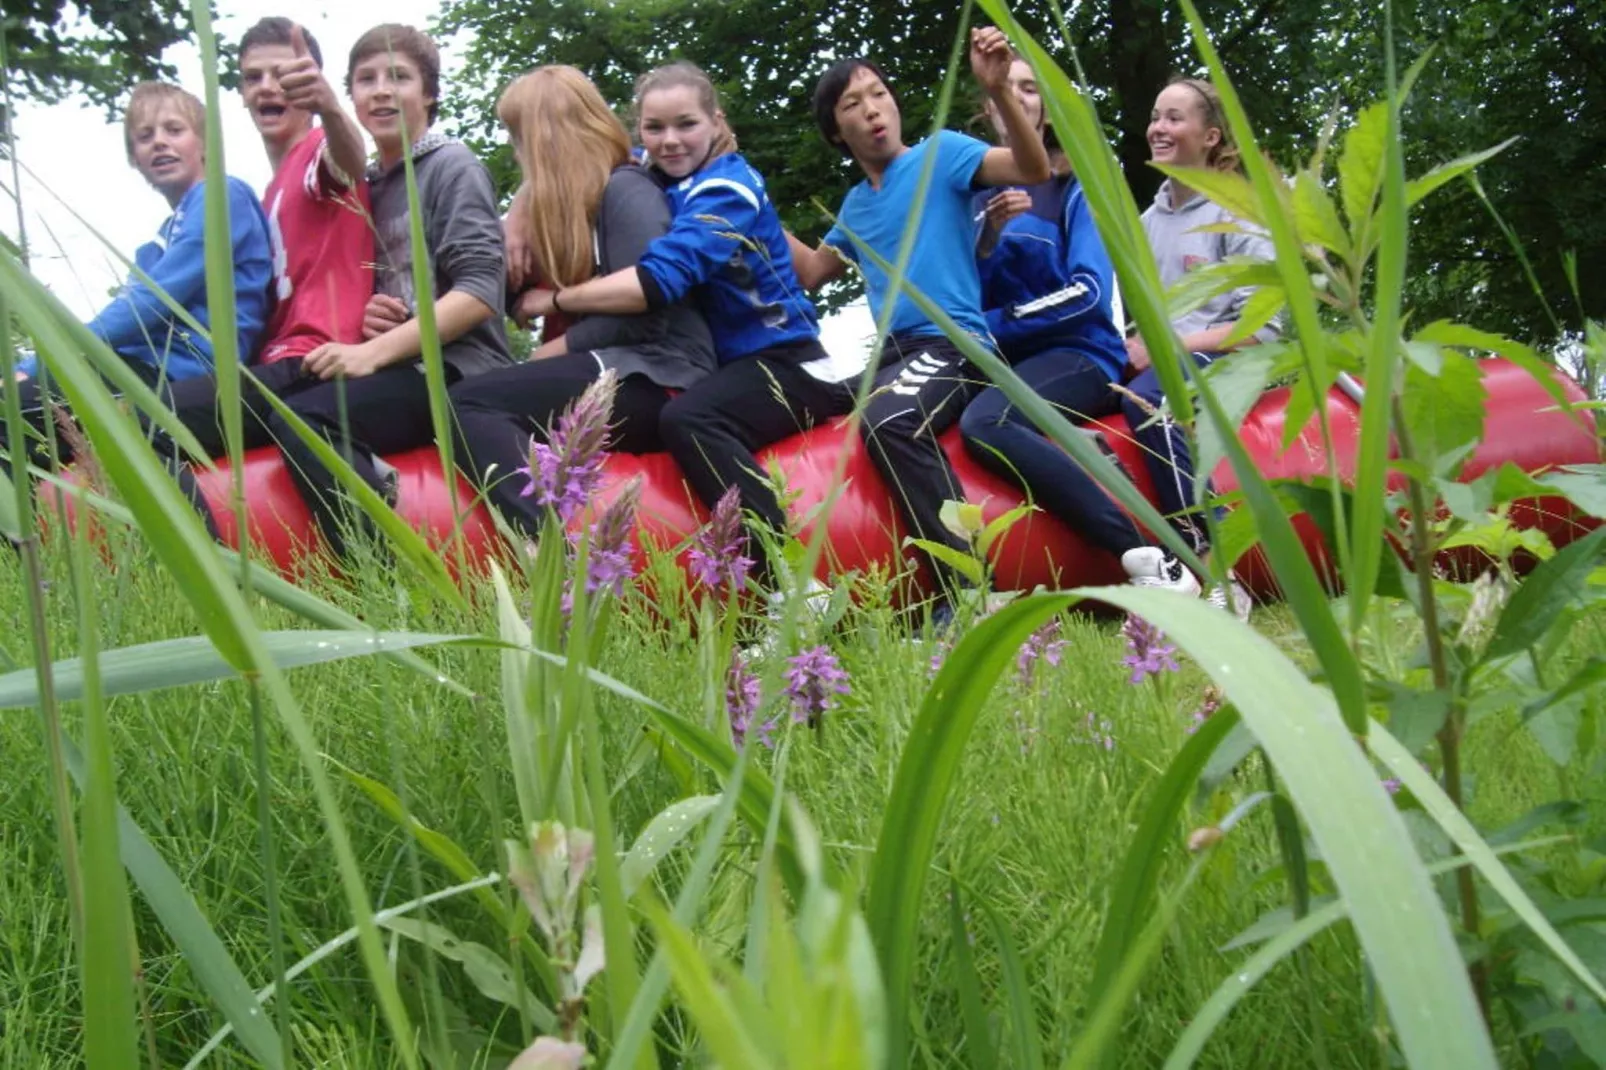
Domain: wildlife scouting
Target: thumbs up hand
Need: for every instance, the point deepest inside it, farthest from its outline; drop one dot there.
(302, 81)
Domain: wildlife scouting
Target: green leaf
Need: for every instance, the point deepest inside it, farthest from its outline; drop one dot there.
(1239, 383)
(1541, 598)
(1591, 674)
(1555, 728)
(1360, 167)
(662, 834)
(999, 527)
(1234, 273)
(1449, 817)
(1445, 412)
(924, 781)
(1420, 187)
(1584, 486)
(978, 1051)
(488, 971)
(1415, 717)
(1315, 217)
(193, 660)
(1230, 189)
(1258, 311)
(1459, 335)
(958, 560)
(1353, 823)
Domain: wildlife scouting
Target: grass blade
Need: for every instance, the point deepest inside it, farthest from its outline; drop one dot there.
(979, 1051)
(1360, 834)
(1027, 1044)
(108, 954)
(921, 787)
(194, 660)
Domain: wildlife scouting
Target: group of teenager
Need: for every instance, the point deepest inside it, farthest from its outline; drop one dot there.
(669, 264)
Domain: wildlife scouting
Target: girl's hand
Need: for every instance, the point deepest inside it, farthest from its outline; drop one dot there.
(1137, 354)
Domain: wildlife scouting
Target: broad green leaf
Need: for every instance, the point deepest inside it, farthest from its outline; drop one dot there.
(1547, 591)
(488, 971)
(1229, 189)
(1459, 335)
(1000, 525)
(1354, 825)
(662, 834)
(1200, 285)
(1437, 804)
(960, 561)
(1445, 412)
(978, 1051)
(1239, 383)
(1315, 216)
(1584, 487)
(1360, 167)
(1420, 187)
(921, 787)
(1590, 675)
(1258, 311)
(1556, 729)
(193, 660)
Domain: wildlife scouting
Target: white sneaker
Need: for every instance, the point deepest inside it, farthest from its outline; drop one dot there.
(1231, 596)
(816, 606)
(1150, 566)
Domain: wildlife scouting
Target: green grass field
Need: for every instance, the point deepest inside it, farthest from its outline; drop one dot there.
(1049, 795)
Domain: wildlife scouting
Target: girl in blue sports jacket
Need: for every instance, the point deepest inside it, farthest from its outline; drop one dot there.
(727, 250)
(1048, 289)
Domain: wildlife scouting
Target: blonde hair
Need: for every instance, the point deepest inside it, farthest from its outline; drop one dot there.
(149, 98)
(1224, 154)
(684, 73)
(569, 142)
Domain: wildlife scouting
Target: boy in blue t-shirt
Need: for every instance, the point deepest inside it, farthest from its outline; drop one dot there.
(164, 131)
(928, 382)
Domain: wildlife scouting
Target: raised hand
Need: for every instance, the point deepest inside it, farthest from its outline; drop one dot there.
(990, 58)
(301, 80)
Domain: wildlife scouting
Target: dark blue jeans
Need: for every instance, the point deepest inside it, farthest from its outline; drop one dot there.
(1167, 453)
(1003, 440)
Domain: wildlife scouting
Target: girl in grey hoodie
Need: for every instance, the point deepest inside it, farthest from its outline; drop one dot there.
(1188, 129)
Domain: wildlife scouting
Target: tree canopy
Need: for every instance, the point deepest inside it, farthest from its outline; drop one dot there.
(98, 47)
(1501, 69)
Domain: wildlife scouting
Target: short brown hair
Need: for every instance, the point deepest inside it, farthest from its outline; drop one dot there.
(405, 41)
(148, 97)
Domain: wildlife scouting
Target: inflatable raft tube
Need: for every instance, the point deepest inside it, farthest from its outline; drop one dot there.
(863, 528)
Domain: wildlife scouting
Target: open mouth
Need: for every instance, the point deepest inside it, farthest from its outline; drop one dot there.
(271, 111)
(878, 132)
(159, 162)
(383, 113)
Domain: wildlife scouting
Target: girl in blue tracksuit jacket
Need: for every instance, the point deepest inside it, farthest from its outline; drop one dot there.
(1048, 286)
(727, 249)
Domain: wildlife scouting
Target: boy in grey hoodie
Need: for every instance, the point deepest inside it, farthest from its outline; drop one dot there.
(382, 405)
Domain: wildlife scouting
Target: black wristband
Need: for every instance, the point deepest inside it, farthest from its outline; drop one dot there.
(555, 306)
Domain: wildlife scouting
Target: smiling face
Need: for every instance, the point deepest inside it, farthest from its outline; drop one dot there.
(275, 120)
(1178, 133)
(676, 131)
(867, 120)
(386, 88)
(1022, 83)
(167, 150)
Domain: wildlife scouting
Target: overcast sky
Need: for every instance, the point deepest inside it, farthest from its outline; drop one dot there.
(78, 157)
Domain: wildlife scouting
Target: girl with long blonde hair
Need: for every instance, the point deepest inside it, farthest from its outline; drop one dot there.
(586, 209)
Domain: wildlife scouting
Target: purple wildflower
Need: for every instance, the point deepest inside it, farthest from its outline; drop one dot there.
(610, 556)
(1209, 703)
(938, 656)
(813, 680)
(1392, 786)
(1148, 654)
(716, 560)
(1100, 732)
(742, 696)
(1045, 643)
(564, 470)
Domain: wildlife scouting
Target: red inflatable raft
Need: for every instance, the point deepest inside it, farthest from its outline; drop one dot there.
(1523, 427)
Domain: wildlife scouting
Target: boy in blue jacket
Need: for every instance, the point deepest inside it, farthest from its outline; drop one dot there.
(1047, 285)
(164, 133)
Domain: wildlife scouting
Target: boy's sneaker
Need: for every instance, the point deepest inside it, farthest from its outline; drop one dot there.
(1232, 597)
(1150, 566)
(816, 604)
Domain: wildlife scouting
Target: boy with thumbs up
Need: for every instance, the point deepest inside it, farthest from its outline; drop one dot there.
(318, 218)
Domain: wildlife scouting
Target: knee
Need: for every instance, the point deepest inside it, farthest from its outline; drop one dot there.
(684, 419)
(985, 419)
